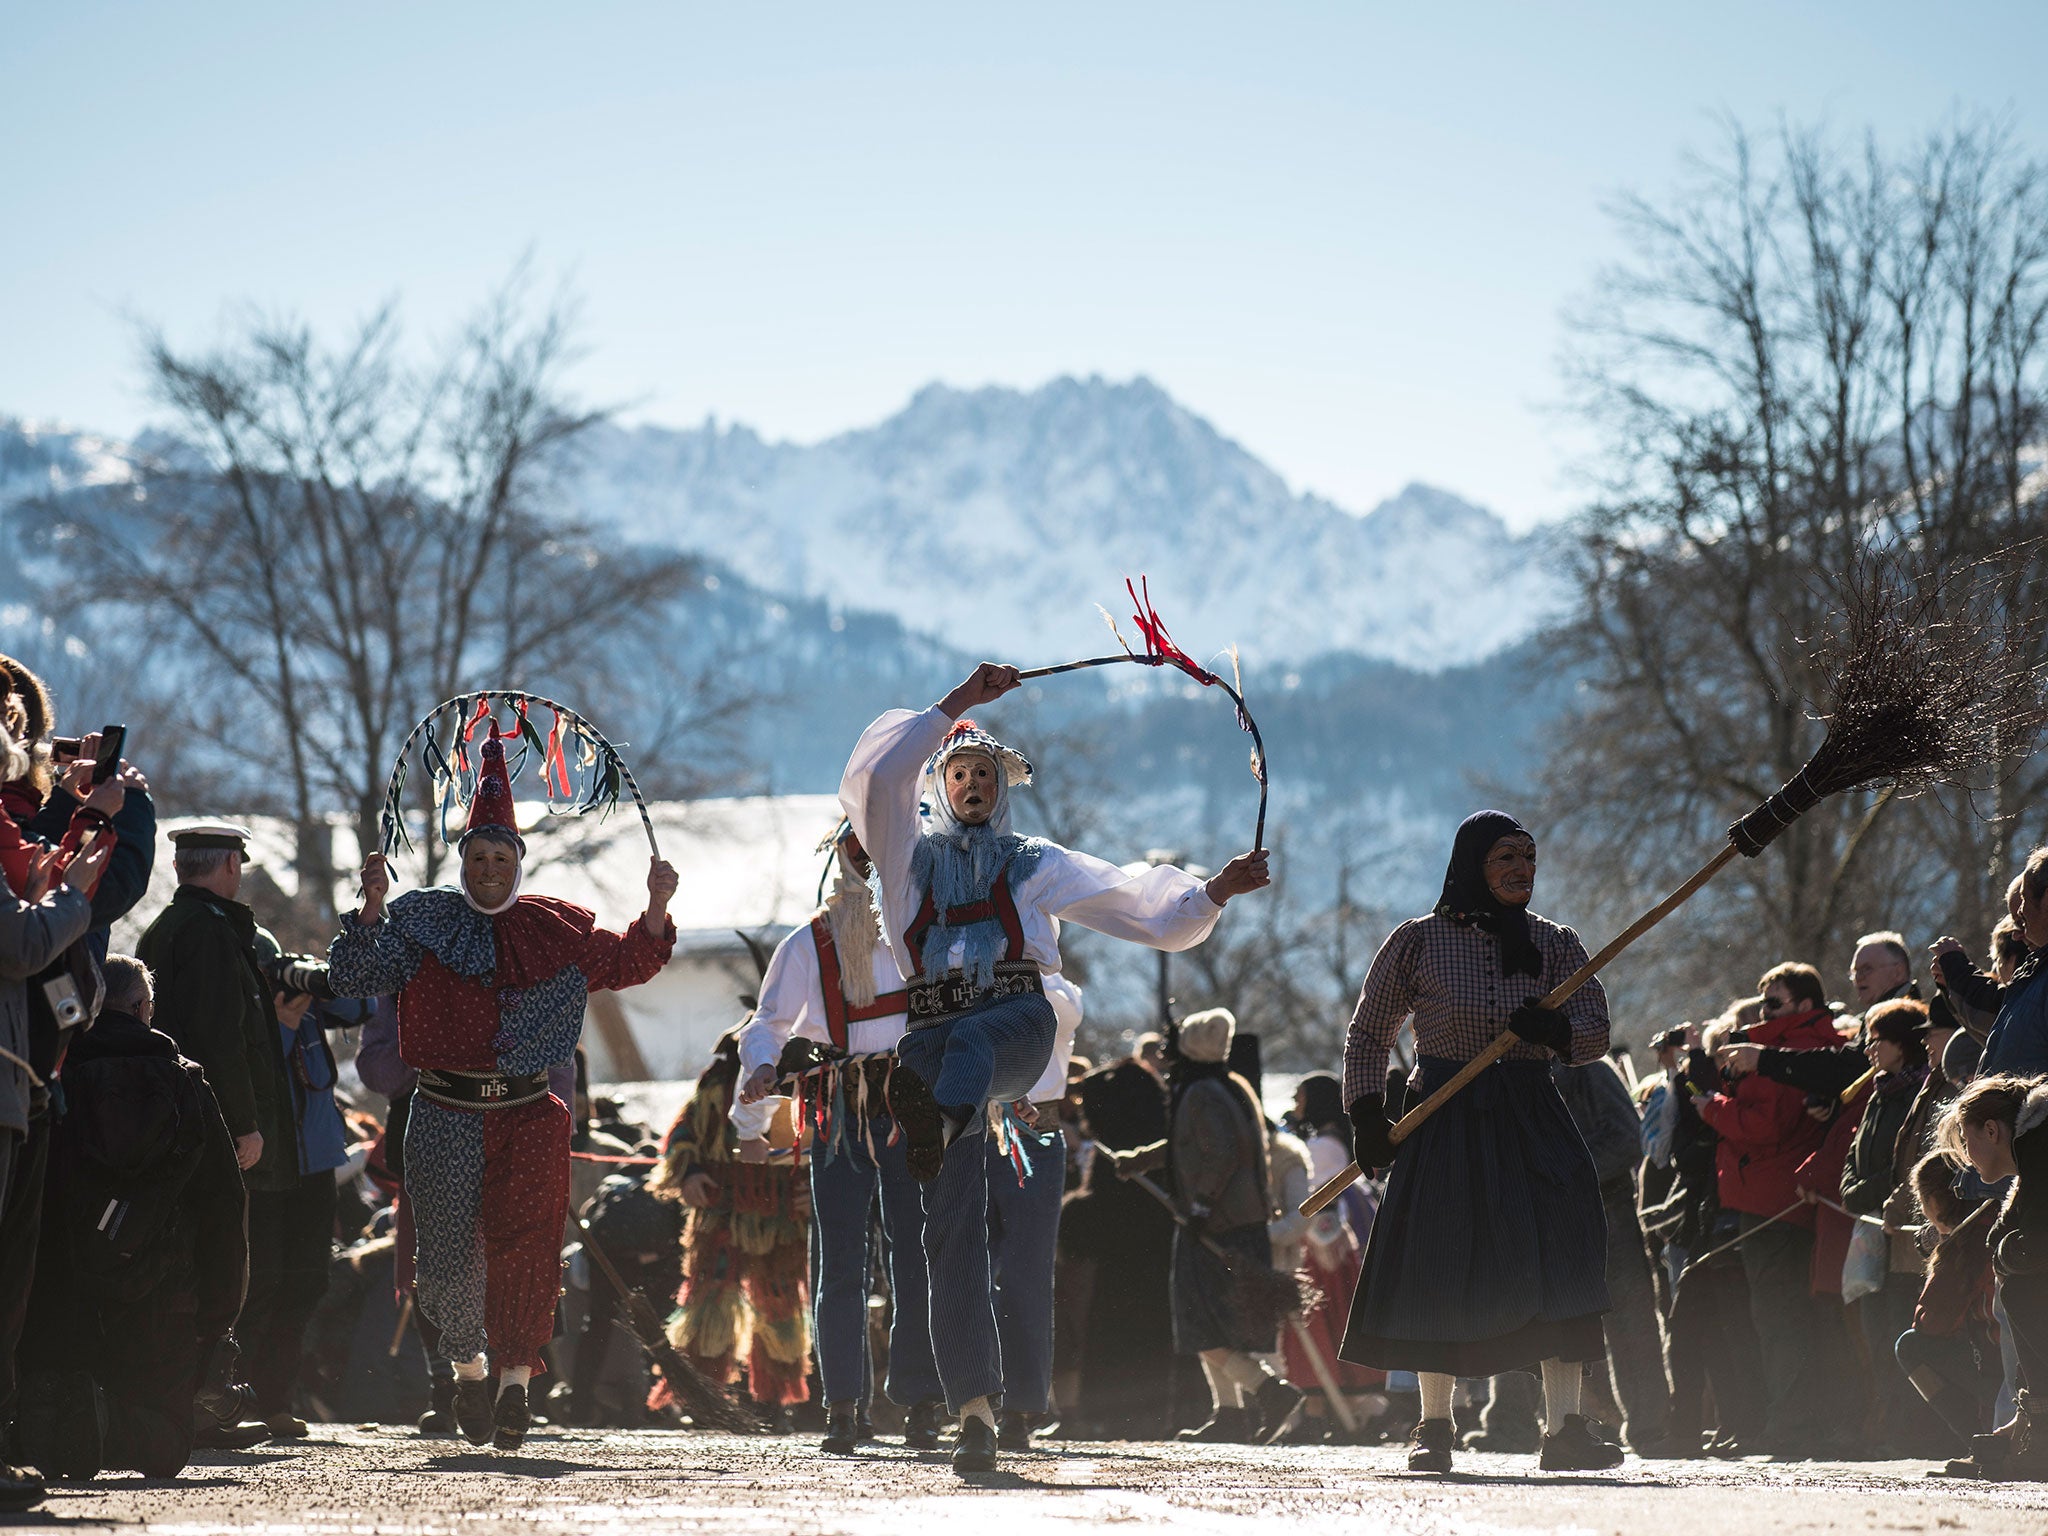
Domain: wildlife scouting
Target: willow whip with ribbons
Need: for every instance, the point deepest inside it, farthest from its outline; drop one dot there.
(580, 771)
(1160, 651)
(1920, 695)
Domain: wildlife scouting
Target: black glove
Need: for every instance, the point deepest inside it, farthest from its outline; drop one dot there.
(1371, 1146)
(1543, 1026)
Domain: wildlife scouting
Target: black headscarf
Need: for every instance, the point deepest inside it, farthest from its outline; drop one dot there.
(1466, 898)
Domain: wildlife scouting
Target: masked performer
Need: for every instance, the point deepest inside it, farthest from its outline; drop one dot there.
(972, 912)
(1489, 1253)
(491, 987)
(834, 984)
(746, 1248)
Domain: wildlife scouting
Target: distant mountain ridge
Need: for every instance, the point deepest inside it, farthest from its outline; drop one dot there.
(1051, 497)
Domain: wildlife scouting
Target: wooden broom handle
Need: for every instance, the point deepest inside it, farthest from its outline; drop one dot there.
(1508, 1039)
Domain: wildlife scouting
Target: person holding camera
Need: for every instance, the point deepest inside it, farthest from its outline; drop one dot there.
(291, 1230)
(1765, 1134)
(40, 917)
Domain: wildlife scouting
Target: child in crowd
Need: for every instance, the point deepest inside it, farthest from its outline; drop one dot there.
(1996, 1126)
(1950, 1354)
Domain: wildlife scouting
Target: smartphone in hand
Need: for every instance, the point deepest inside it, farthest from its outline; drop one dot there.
(112, 739)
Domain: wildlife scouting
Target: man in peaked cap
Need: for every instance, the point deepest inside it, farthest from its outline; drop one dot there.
(214, 1000)
(491, 987)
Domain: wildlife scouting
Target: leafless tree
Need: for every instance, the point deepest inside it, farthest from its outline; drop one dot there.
(1811, 349)
(336, 538)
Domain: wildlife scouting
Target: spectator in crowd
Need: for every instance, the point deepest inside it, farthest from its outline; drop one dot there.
(126, 1313)
(1997, 1126)
(1606, 1117)
(1950, 1354)
(37, 924)
(1887, 1144)
(42, 825)
(2018, 1041)
(1881, 968)
(1216, 1151)
(1765, 1134)
(291, 1230)
(1712, 1338)
(215, 1002)
(1116, 1244)
(55, 785)
(1330, 1244)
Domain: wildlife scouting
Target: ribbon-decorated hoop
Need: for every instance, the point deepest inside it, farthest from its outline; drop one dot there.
(1160, 651)
(581, 772)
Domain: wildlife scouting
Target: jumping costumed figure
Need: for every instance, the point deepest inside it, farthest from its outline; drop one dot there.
(746, 1247)
(972, 912)
(1489, 1253)
(490, 987)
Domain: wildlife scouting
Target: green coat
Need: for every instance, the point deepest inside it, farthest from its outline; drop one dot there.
(214, 1000)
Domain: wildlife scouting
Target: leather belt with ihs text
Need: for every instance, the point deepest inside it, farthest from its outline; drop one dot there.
(940, 999)
(482, 1090)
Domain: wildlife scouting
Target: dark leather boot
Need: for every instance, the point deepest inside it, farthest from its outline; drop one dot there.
(511, 1418)
(921, 1426)
(1431, 1450)
(976, 1451)
(475, 1415)
(924, 1124)
(842, 1430)
(1275, 1403)
(1575, 1448)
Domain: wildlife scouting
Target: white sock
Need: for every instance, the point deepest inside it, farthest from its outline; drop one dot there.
(1436, 1393)
(1245, 1372)
(1562, 1383)
(978, 1408)
(1223, 1391)
(514, 1376)
(472, 1370)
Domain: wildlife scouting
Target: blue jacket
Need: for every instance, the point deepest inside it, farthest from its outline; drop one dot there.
(2018, 1041)
(309, 1066)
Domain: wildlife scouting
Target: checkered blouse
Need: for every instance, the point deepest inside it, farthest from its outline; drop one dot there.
(1448, 975)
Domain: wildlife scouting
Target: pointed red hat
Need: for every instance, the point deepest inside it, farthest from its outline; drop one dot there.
(491, 805)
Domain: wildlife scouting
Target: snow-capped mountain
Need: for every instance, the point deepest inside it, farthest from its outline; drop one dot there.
(38, 461)
(1051, 498)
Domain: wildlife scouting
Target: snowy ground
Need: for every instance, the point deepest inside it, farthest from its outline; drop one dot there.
(350, 1482)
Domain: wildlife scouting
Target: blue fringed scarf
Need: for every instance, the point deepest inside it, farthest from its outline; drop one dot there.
(958, 866)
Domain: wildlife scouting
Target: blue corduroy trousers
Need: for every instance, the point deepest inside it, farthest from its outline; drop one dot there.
(1023, 1235)
(995, 1053)
(842, 1195)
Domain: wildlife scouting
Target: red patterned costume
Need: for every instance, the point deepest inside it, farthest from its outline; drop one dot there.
(487, 1002)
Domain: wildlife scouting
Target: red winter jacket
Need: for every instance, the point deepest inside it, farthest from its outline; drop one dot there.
(1764, 1128)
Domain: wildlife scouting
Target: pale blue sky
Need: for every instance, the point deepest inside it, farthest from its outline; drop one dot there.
(1343, 233)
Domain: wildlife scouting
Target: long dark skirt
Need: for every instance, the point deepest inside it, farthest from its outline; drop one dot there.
(1489, 1253)
(1206, 1309)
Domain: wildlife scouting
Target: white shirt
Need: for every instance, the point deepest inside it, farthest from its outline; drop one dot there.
(793, 1003)
(1164, 907)
(1065, 998)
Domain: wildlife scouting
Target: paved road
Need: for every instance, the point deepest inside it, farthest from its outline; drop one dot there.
(349, 1482)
